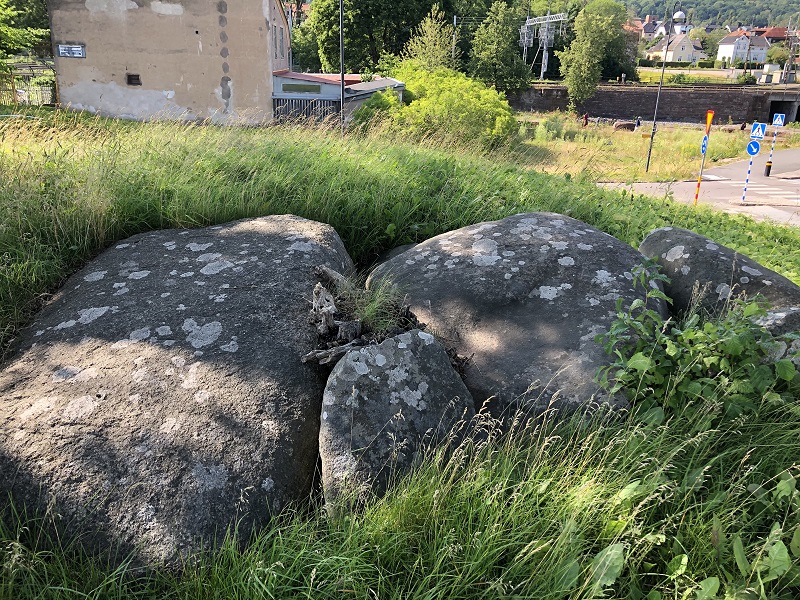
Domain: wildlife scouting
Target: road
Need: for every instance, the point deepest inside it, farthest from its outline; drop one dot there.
(776, 197)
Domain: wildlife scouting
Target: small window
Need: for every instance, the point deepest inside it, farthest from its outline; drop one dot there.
(133, 79)
(275, 40)
(280, 42)
(305, 88)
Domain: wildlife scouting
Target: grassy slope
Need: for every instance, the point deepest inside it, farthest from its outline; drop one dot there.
(527, 517)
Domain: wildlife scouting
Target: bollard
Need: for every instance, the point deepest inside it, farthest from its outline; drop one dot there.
(767, 168)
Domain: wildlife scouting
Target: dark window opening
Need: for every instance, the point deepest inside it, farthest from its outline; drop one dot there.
(308, 88)
(133, 79)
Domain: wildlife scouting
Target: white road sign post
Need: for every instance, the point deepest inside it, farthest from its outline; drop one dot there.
(777, 121)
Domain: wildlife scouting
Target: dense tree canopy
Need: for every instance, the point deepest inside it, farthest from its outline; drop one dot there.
(599, 49)
(20, 29)
(495, 58)
(433, 43)
(371, 28)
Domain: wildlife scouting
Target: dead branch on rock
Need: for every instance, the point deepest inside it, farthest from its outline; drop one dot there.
(322, 309)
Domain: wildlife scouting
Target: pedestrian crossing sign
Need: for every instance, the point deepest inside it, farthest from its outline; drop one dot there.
(758, 131)
(778, 120)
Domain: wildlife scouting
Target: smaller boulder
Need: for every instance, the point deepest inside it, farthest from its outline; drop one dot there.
(382, 406)
(624, 126)
(702, 270)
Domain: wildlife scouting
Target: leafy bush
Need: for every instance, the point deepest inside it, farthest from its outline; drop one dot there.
(645, 62)
(746, 79)
(677, 78)
(443, 104)
(551, 128)
(706, 64)
(665, 366)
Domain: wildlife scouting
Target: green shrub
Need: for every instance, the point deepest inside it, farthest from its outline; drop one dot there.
(678, 78)
(645, 62)
(670, 367)
(552, 128)
(746, 79)
(706, 64)
(444, 104)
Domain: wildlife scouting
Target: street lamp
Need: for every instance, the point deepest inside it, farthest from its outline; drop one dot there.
(678, 16)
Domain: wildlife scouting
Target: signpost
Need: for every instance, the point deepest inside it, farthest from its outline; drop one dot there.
(777, 121)
(703, 149)
(758, 131)
(753, 148)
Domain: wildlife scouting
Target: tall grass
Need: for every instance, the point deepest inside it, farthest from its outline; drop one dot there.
(553, 510)
(580, 509)
(72, 185)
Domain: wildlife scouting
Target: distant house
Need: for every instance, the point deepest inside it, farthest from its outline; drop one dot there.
(681, 49)
(744, 47)
(318, 95)
(774, 34)
(649, 28)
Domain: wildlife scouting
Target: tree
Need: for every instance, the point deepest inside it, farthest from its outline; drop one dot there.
(433, 43)
(371, 28)
(495, 58)
(778, 53)
(305, 49)
(599, 49)
(709, 41)
(13, 37)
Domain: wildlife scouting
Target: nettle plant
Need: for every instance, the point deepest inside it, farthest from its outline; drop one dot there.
(673, 366)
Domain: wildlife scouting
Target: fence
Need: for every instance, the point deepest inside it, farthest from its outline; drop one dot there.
(28, 83)
(287, 109)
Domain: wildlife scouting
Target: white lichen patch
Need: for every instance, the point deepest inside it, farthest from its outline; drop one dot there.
(200, 336)
(170, 245)
(164, 330)
(685, 269)
(301, 247)
(42, 405)
(724, 291)
(566, 261)
(190, 379)
(585, 247)
(208, 257)
(199, 247)
(187, 274)
(380, 360)
(232, 346)
(711, 246)
(268, 484)
(87, 315)
(603, 277)
(137, 335)
(559, 245)
(121, 291)
(95, 276)
(210, 478)
(215, 267)
(170, 426)
(675, 253)
(79, 408)
(65, 325)
(122, 246)
(751, 271)
(744, 279)
(138, 274)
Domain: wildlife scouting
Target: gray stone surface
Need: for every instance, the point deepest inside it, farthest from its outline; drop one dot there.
(781, 322)
(382, 406)
(160, 397)
(523, 298)
(695, 262)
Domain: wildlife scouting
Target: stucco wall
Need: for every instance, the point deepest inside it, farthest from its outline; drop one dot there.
(196, 59)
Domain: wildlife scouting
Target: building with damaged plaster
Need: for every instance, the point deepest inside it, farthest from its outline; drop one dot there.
(185, 59)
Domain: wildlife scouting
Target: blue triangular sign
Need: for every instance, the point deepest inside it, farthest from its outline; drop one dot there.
(758, 131)
(778, 119)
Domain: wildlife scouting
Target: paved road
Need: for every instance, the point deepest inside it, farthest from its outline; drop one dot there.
(776, 197)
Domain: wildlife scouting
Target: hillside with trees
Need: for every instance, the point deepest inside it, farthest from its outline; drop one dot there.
(726, 12)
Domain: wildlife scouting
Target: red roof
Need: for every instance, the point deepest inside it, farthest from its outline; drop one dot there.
(349, 78)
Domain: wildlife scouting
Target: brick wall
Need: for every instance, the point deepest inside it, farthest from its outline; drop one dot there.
(732, 103)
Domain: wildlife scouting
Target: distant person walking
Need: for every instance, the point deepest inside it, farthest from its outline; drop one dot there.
(585, 119)
(638, 122)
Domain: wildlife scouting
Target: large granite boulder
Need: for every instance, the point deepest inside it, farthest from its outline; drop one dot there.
(383, 405)
(704, 272)
(523, 299)
(160, 397)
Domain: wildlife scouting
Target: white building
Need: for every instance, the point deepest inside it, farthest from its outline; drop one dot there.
(740, 46)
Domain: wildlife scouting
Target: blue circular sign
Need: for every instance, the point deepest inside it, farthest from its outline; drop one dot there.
(753, 148)
(704, 145)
